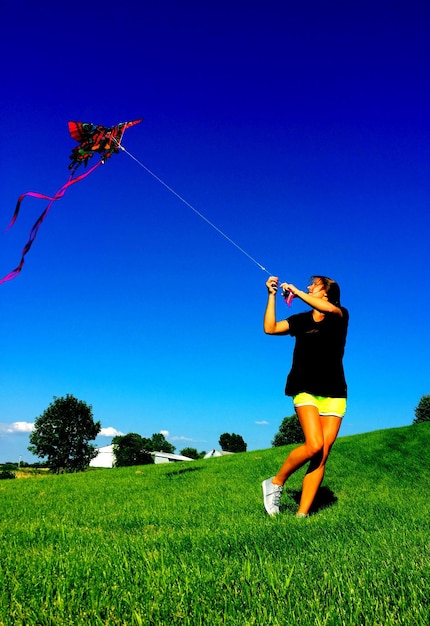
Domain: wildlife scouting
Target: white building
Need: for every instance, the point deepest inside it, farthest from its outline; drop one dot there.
(106, 458)
(212, 453)
(166, 457)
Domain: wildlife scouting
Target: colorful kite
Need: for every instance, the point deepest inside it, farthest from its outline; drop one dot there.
(92, 139)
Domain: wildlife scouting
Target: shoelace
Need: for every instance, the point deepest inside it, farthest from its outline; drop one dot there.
(276, 496)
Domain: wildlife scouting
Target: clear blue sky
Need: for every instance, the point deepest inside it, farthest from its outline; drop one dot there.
(301, 130)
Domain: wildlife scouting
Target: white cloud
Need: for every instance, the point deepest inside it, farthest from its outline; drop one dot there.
(16, 427)
(181, 438)
(110, 431)
(262, 423)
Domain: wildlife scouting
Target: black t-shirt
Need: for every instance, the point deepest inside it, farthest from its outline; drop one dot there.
(317, 360)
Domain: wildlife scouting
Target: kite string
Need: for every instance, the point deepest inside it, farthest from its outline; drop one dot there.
(190, 206)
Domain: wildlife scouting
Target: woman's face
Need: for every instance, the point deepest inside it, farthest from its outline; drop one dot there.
(317, 289)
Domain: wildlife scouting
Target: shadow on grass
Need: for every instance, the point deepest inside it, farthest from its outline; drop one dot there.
(324, 498)
(183, 470)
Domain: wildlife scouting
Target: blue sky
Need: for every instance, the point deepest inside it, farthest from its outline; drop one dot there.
(301, 130)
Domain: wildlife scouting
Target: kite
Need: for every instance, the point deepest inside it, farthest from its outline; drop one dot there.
(93, 139)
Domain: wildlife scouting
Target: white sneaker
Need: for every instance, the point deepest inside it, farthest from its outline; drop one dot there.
(272, 496)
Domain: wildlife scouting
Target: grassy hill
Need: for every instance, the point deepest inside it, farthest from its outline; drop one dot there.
(190, 543)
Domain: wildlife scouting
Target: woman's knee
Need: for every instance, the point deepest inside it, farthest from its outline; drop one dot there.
(314, 446)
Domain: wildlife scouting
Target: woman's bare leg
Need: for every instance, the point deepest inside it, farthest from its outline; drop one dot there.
(310, 421)
(330, 426)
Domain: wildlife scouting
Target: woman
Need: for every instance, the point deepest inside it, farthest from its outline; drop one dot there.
(316, 382)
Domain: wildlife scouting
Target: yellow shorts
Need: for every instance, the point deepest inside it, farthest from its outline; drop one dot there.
(325, 406)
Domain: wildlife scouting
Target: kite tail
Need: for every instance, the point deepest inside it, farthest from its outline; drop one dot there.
(33, 194)
(34, 230)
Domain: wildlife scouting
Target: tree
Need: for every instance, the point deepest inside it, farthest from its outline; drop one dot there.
(6, 474)
(422, 411)
(290, 431)
(62, 435)
(159, 443)
(232, 443)
(191, 453)
(131, 449)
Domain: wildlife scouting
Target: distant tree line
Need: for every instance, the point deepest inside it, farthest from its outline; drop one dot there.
(7, 471)
(63, 432)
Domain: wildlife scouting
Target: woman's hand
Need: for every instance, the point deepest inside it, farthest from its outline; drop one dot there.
(289, 287)
(272, 285)
(271, 326)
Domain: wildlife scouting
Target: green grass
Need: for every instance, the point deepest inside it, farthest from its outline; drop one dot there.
(190, 543)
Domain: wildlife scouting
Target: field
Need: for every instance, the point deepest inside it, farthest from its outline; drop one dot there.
(190, 543)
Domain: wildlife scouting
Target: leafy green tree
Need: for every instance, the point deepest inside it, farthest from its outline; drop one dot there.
(422, 411)
(62, 434)
(131, 449)
(232, 443)
(237, 444)
(6, 474)
(191, 453)
(159, 443)
(290, 431)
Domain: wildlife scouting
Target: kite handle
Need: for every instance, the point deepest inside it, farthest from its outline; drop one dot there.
(288, 296)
